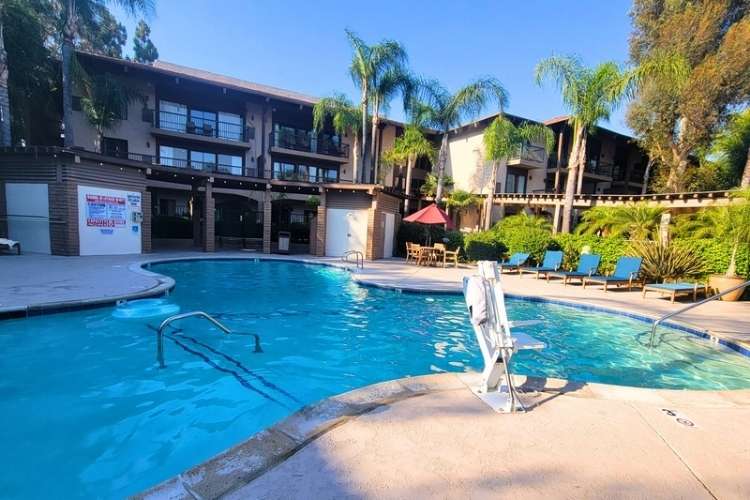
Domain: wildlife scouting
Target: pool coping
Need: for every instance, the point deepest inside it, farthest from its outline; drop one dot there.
(248, 460)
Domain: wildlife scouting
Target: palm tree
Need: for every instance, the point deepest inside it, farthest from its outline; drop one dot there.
(72, 11)
(502, 139)
(370, 64)
(445, 111)
(5, 119)
(730, 224)
(429, 188)
(345, 118)
(408, 148)
(461, 200)
(590, 94)
(394, 81)
(105, 101)
(636, 221)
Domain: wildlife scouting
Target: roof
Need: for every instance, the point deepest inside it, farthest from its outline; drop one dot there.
(176, 70)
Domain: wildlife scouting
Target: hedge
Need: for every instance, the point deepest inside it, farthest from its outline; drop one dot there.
(483, 245)
(532, 241)
(716, 254)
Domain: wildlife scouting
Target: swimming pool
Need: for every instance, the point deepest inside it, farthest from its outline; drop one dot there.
(88, 413)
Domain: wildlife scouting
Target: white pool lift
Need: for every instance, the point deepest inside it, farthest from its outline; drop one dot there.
(486, 303)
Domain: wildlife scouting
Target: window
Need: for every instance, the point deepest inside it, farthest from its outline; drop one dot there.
(515, 181)
(285, 171)
(172, 116)
(230, 126)
(201, 160)
(173, 157)
(202, 122)
(115, 147)
(230, 164)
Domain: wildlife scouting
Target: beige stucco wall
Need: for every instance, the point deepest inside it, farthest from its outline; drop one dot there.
(134, 129)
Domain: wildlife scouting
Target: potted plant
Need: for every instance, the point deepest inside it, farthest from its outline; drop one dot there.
(730, 224)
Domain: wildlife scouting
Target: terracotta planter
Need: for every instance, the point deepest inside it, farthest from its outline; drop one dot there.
(719, 282)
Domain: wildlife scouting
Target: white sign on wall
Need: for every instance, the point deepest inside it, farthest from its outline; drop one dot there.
(109, 221)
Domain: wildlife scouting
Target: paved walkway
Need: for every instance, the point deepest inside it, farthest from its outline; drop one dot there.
(450, 445)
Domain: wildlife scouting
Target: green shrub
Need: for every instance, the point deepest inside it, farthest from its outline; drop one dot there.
(533, 241)
(455, 240)
(483, 245)
(610, 248)
(716, 254)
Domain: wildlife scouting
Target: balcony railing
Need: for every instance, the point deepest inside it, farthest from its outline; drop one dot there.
(185, 124)
(300, 177)
(309, 142)
(531, 153)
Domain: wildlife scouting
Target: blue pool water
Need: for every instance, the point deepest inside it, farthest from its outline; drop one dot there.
(87, 413)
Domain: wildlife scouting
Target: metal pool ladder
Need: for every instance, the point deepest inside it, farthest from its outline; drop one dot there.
(691, 306)
(200, 314)
(359, 258)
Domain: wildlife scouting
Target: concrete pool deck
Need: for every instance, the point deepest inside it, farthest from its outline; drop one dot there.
(430, 437)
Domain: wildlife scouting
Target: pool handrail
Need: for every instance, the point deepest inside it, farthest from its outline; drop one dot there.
(692, 306)
(191, 314)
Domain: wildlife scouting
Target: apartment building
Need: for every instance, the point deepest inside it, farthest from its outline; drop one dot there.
(614, 165)
(204, 160)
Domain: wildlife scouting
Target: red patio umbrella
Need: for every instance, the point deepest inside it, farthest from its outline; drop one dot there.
(432, 214)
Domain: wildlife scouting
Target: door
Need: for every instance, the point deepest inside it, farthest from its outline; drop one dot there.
(346, 229)
(28, 216)
(390, 222)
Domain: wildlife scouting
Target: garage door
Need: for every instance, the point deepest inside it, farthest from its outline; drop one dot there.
(346, 230)
(28, 216)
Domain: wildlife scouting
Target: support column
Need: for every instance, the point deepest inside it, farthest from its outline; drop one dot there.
(267, 211)
(146, 222)
(374, 245)
(320, 243)
(196, 216)
(209, 237)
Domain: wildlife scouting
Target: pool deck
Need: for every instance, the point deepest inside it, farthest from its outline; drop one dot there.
(431, 437)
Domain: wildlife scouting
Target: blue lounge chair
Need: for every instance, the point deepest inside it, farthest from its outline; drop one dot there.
(551, 262)
(673, 289)
(587, 266)
(514, 262)
(626, 271)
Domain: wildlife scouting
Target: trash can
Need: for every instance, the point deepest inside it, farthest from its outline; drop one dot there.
(284, 239)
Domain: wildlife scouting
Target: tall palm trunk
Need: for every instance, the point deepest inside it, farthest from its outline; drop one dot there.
(5, 118)
(490, 198)
(355, 158)
(442, 159)
(363, 150)
(570, 184)
(374, 139)
(410, 161)
(582, 161)
(745, 182)
(68, 54)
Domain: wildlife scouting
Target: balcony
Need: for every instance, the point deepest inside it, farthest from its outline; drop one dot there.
(183, 163)
(209, 130)
(310, 144)
(529, 156)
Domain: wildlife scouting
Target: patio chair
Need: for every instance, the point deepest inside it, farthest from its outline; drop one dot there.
(551, 262)
(626, 272)
(514, 262)
(489, 319)
(587, 266)
(672, 289)
(451, 255)
(10, 244)
(413, 251)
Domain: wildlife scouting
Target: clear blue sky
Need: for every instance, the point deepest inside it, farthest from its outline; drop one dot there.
(300, 45)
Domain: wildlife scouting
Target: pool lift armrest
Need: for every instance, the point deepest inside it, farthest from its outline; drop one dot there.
(498, 344)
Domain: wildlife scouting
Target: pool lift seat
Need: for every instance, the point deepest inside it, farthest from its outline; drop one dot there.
(489, 318)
